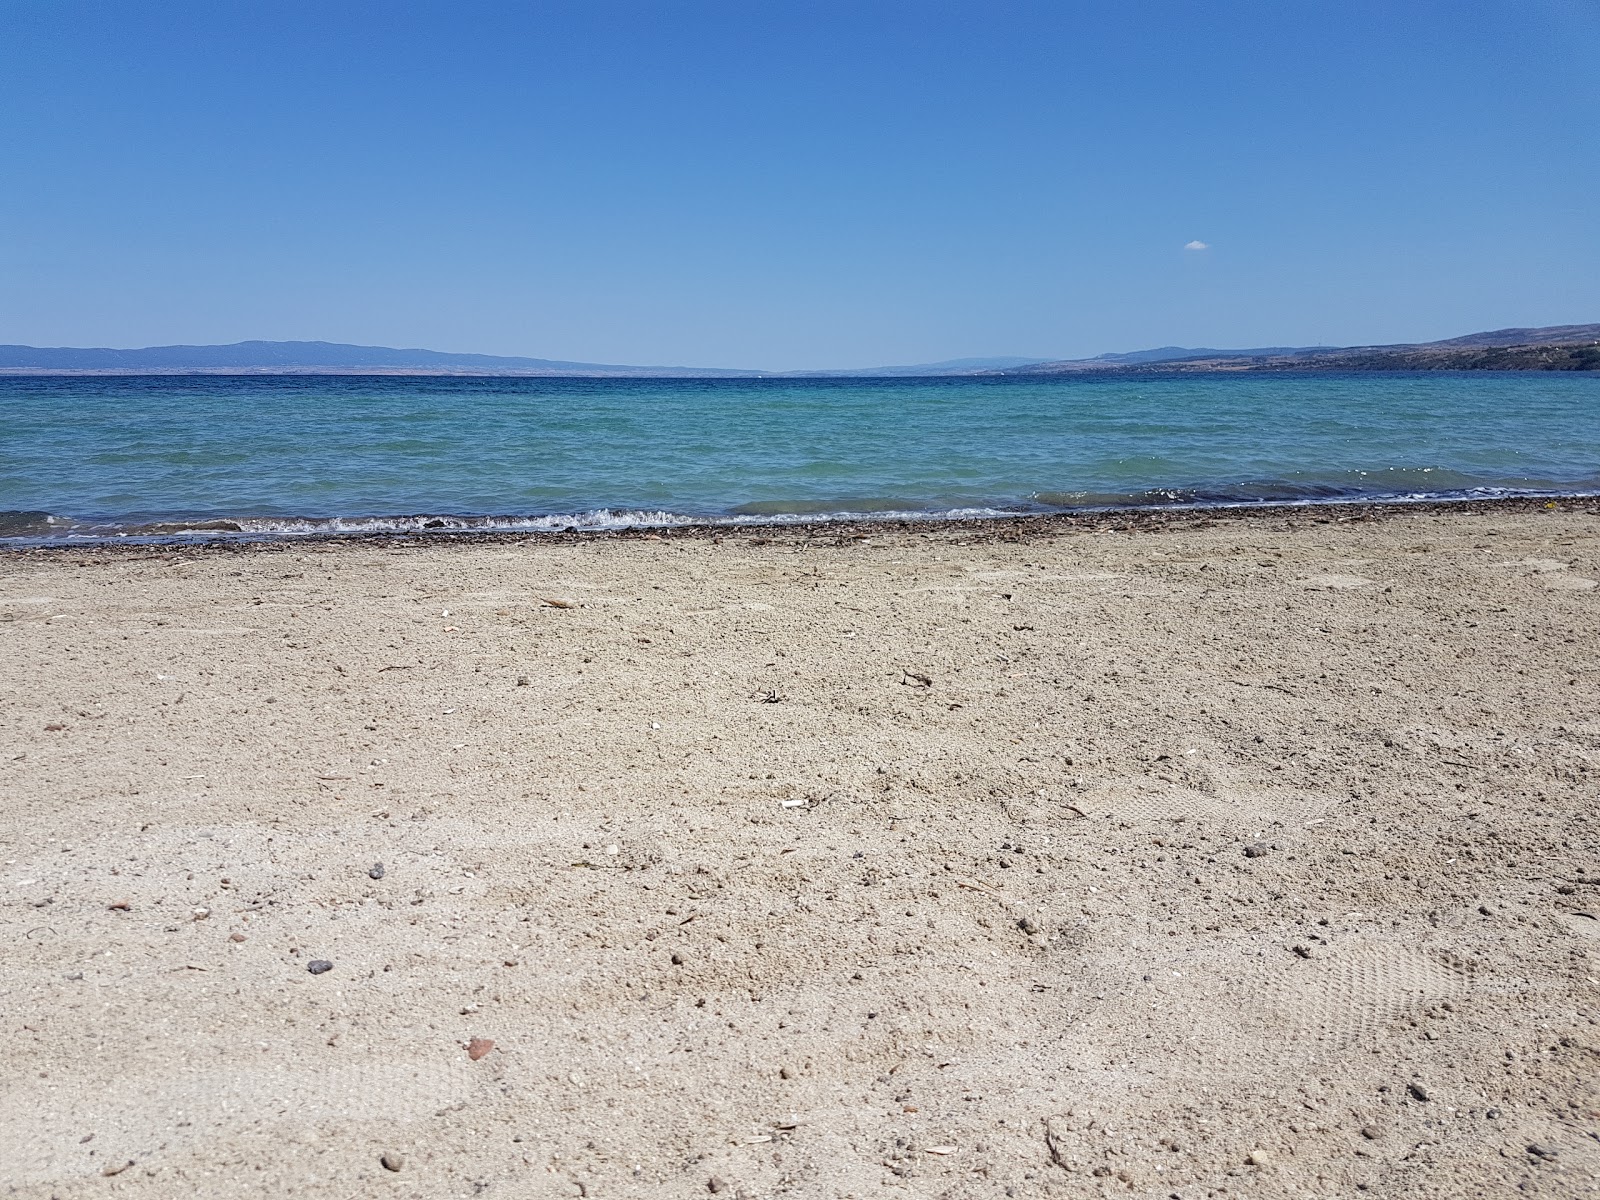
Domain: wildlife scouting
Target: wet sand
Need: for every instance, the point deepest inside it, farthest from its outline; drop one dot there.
(1246, 854)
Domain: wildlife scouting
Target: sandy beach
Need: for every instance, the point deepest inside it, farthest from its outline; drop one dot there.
(1248, 854)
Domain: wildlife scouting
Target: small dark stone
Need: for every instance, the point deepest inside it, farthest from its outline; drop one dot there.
(716, 1184)
(1544, 1151)
(1371, 1132)
(1028, 925)
(1303, 951)
(1493, 1114)
(392, 1161)
(376, 871)
(677, 960)
(1256, 849)
(1418, 1092)
(318, 965)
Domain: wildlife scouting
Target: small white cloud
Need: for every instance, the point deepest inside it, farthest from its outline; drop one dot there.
(1196, 245)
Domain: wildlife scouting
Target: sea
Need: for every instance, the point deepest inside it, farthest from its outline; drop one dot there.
(174, 458)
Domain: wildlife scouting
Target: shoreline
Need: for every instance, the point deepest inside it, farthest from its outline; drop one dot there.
(1150, 518)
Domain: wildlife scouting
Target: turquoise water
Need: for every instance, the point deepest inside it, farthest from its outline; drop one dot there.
(98, 457)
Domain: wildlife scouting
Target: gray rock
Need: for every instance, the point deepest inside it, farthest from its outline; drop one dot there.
(1418, 1092)
(318, 965)
(391, 1160)
(376, 871)
(1256, 849)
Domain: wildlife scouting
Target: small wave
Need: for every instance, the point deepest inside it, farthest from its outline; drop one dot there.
(1282, 495)
(52, 529)
(22, 528)
(596, 520)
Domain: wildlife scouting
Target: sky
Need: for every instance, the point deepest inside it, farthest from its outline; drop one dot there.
(792, 185)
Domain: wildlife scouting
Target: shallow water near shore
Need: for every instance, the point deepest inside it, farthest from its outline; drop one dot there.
(97, 458)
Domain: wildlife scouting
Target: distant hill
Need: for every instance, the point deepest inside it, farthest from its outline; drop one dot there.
(1177, 353)
(247, 358)
(311, 357)
(1551, 348)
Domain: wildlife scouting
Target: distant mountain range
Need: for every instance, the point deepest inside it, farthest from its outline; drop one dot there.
(1557, 347)
(1550, 348)
(250, 358)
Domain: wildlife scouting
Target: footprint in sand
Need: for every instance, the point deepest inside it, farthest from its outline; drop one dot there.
(1551, 572)
(1181, 804)
(1346, 994)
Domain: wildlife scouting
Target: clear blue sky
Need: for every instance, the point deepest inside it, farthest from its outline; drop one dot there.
(766, 183)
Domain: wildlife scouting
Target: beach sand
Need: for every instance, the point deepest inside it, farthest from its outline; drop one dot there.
(1246, 855)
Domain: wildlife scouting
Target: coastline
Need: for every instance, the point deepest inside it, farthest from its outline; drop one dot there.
(911, 862)
(1147, 518)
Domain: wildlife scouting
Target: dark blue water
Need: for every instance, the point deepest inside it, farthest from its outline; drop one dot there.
(95, 457)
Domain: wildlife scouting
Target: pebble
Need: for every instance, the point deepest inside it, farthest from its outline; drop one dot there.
(376, 872)
(1028, 925)
(236, 937)
(677, 960)
(392, 1161)
(716, 1184)
(1371, 1132)
(1303, 951)
(1541, 1150)
(1256, 849)
(1418, 1092)
(318, 965)
(1261, 1158)
(478, 1047)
